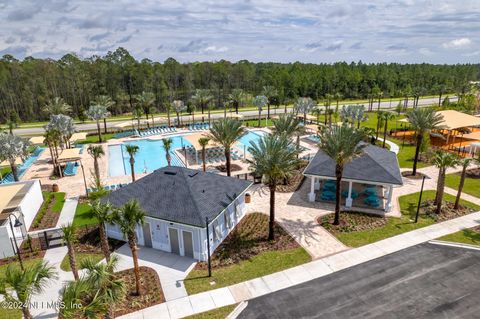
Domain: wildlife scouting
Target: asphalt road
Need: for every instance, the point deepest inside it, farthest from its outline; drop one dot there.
(198, 116)
(425, 281)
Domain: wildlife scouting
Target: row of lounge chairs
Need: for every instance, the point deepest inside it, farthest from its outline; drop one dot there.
(125, 134)
(70, 169)
(156, 130)
(109, 187)
(198, 126)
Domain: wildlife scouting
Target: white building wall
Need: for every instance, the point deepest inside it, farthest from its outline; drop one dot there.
(31, 203)
(6, 249)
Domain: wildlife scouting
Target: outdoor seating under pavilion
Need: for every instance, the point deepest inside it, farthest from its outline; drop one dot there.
(368, 180)
(196, 147)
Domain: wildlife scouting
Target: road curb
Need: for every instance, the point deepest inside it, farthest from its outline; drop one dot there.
(452, 244)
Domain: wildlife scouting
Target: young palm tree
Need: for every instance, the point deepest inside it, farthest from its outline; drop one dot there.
(465, 162)
(127, 218)
(422, 120)
(442, 160)
(237, 98)
(342, 144)
(203, 141)
(290, 126)
(386, 116)
(96, 151)
(137, 115)
(179, 107)
(274, 157)
(70, 238)
(57, 106)
(271, 93)
(103, 213)
(167, 146)
(12, 147)
(145, 101)
(97, 112)
(132, 150)
(201, 98)
(51, 138)
(226, 132)
(17, 286)
(260, 101)
(304, 105)
(97, 291)
(106, 101)
(317, 112)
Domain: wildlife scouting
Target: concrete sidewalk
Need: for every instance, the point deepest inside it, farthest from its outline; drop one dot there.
(205, 301)
(68, 212)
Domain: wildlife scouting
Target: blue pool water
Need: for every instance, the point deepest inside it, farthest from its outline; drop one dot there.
(251, 136)
(151, 156)
(21, 169)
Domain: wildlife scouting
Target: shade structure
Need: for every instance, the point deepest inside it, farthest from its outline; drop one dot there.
(472, 136)
(454, 120)
(69, 154)
(18, 161)
(193, 139)
(78, 137)
(8, 193)
(36, 140)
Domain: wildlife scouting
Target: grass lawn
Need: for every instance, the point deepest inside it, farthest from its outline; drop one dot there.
(219, 313)
(10, 313)
(94, 138)
(470, 236)
(246, 254)
(82, 216)
(26, 263)
(4, 171)
(406, 154)
(471, 186)
(396, 226)
(65, 265)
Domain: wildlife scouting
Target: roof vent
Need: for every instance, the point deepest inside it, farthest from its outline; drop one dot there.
(192, 174)
(170, 173)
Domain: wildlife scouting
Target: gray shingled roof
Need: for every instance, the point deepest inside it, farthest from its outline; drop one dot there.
(374, 165)
(181, 195)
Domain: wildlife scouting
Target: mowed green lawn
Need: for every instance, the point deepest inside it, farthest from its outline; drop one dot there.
(466, 236)
(83, 216)
(79, 257)
(218, 313)
(396, 226)
(406, 154)
(471, 186)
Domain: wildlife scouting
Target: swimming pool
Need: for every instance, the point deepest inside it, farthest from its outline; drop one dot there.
(150, 156)
(251, 136)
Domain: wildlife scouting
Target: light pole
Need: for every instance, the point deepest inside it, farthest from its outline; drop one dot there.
(18, 223)
(208, 249)
(420, 197)
(84, 180)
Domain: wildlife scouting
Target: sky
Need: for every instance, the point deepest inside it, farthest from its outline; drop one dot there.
(315, 31)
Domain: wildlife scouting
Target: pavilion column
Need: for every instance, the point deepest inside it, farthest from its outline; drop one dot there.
(311, 195)
(388, 206)
(349, 200)
(196, 156)
(317, 184)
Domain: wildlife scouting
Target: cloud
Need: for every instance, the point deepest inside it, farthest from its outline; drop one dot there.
(313, 45)
(336, 45)
(356, 46)
(457, 43)
(99, 36)
(22, 14)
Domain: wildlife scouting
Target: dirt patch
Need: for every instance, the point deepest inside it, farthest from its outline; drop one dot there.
(89, 241)
(408, 174)
(352, 221)
(233, 167)
(152, 293)
(248, 239)
(295, 181)
(447, 213)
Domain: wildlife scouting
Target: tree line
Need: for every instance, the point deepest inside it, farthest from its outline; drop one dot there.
(27, 85)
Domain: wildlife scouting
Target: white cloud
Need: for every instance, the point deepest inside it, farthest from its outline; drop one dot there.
(457, 43)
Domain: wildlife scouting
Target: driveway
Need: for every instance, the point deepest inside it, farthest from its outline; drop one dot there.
(424, 281)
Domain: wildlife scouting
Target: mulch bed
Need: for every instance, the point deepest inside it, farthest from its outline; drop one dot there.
(151, 288)
(408, 174)
(295, 181)
(233, 167)
(248, 239)
(89, 241)
(447, 211)
(473, 173)
(46, 217)
(352, 221)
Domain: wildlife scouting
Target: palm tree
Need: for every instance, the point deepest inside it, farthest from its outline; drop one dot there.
(96, 151)
(106, 101)
(327, 102)
(167, 146)
(237, 98)
(152, 110)
(22, 284)
(386, 116)
(137, 115)
(274, 157)
(127, 218)
(338, 96)
(179, 107)
(271, 93)
(57, 106)
(317, 112)
(11, 148)
(465, 162)
(64, 125)
(289, 125)
(70, 238)
(51, 138)
(145, 101)
(442, 160)
(304, 105)
(132, 150)
(260, 101)
(97, 291)
(97, 112)
(103, 213)
(422, 120)
(226, 132)
(342, 144)
(201, 98)
(203, 141)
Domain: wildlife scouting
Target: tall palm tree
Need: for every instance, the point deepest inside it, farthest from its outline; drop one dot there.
(103, 213)
(132, 150)
(97, 291)
(57, 106)
(271, 93)
(317, 112)
(386, 116)
(167, 146)
(70, 238)
(11, 148)
(304, 105)
(442, 160)
(260, 101)
(17, 286)
(127, 218)
(96, 151)
(289, 125)
(201, 98)
(327, 101)
(237, 98)
(145, 101)
(465, 162)
(98, 112)
(179, 107)
(226, 132)
(152, 110)
(137, 115)
(203, 141)
(274, 157)
(51, 138)
(422, 120)
(342, 144)
(107, 102)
